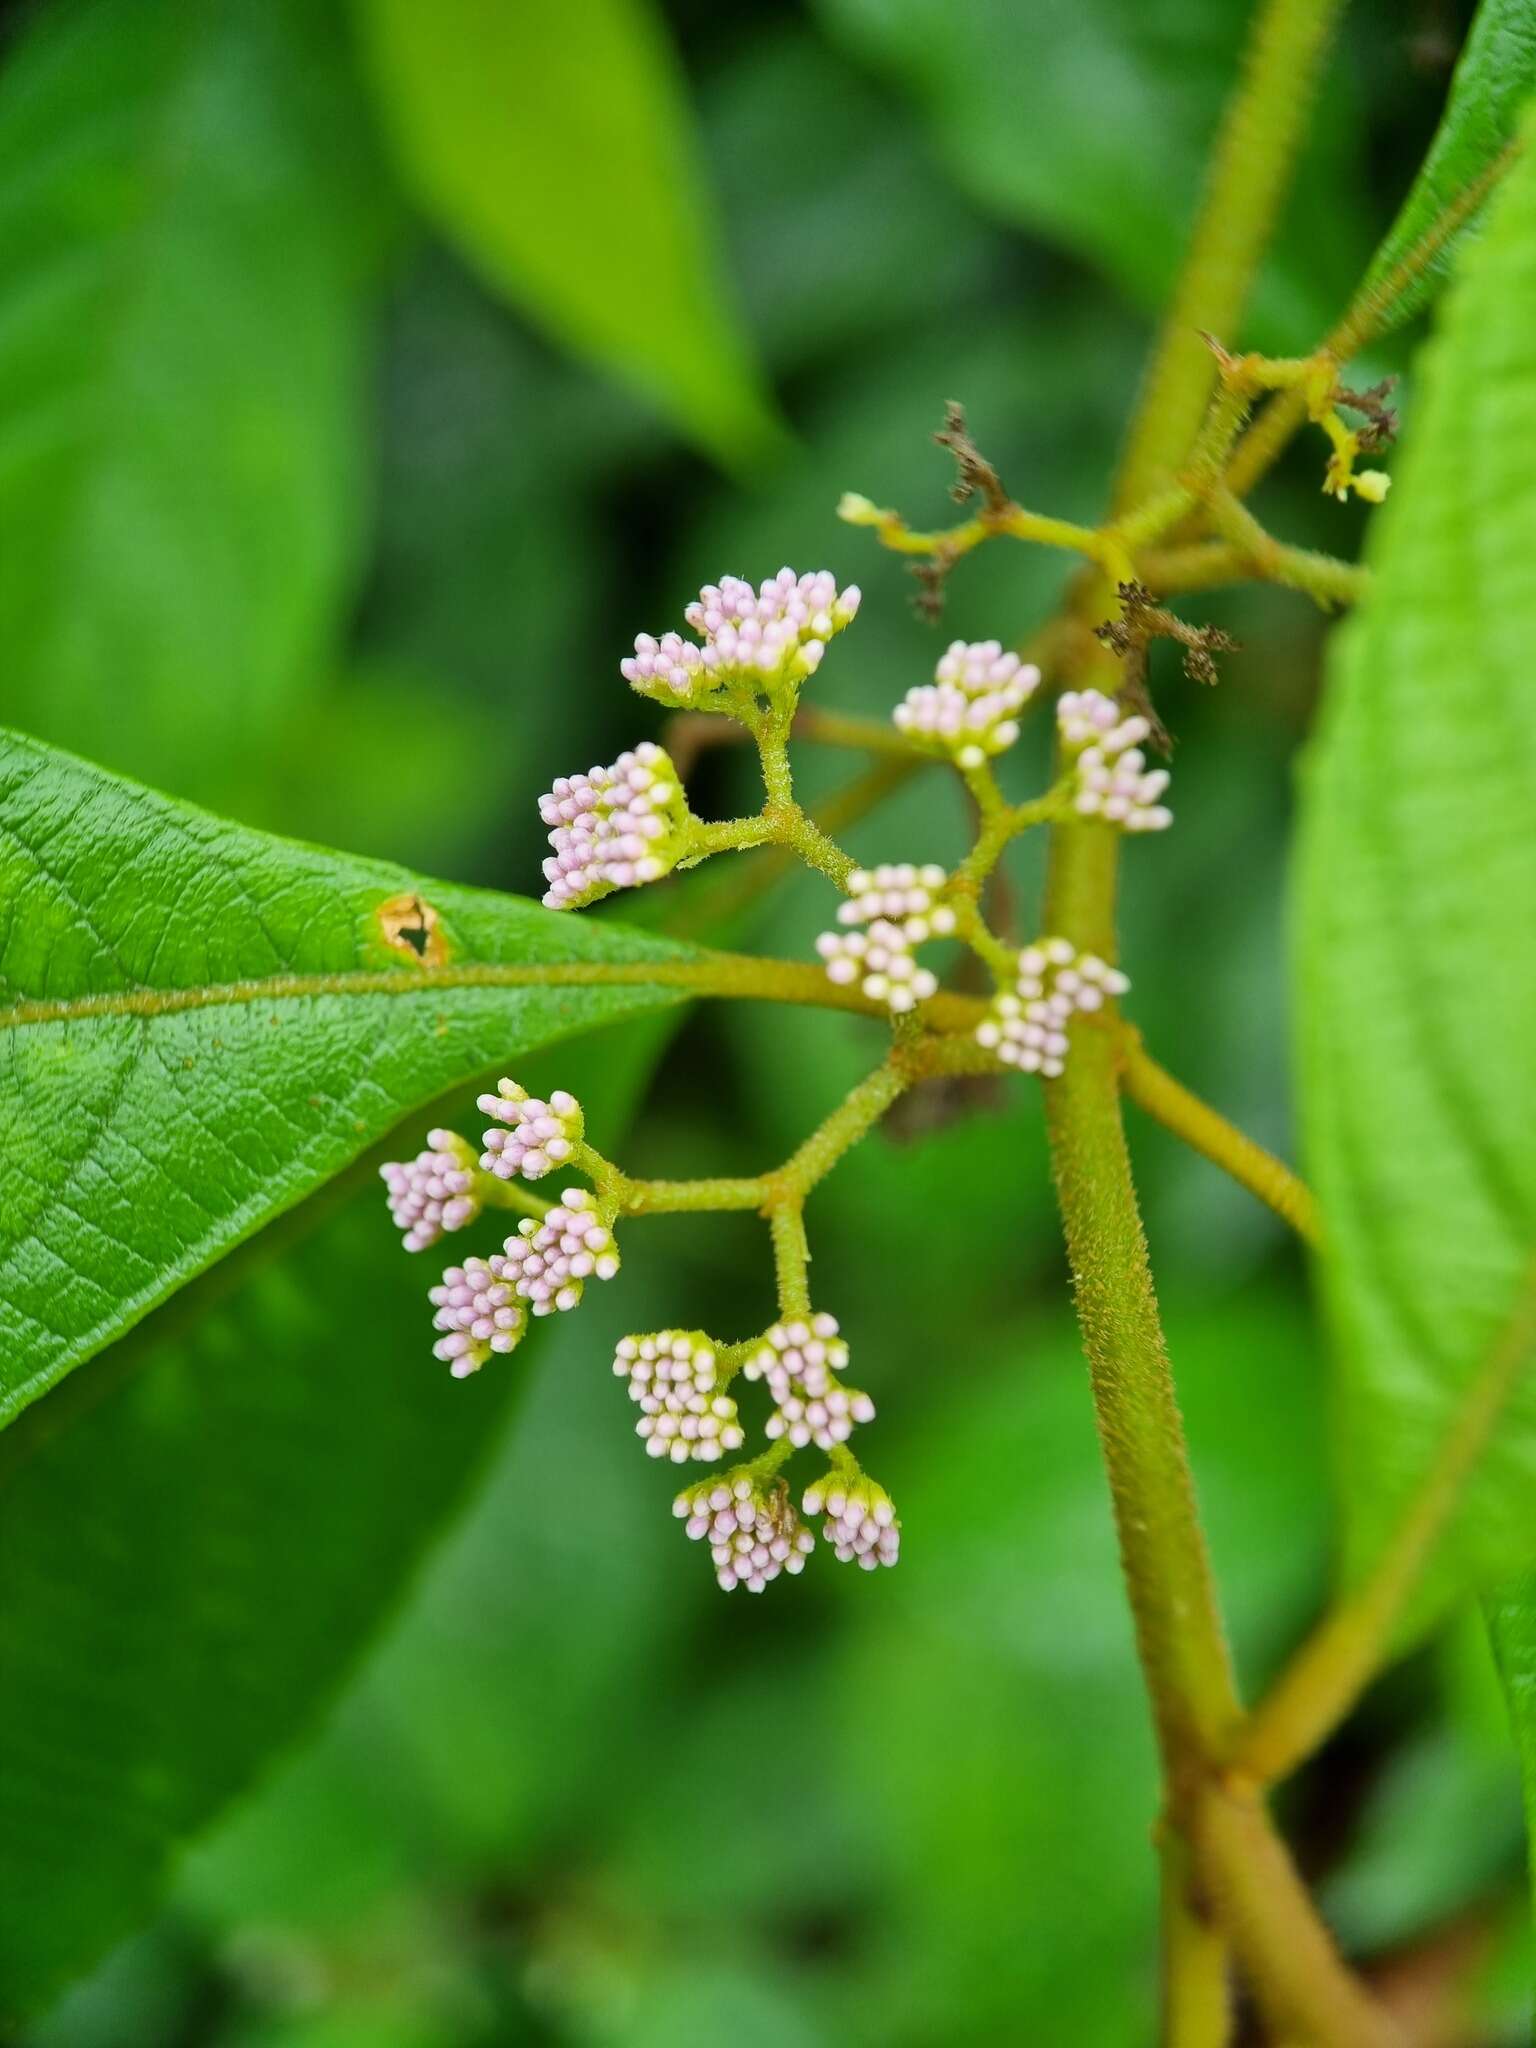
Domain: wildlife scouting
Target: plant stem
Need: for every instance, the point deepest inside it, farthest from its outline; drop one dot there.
(1197, 1998)
(1324, 578)
(1162, 1551)
(857, 1114)
(1154, 1089)
(1306, 1993)
(676, 1197)
(1368, 312)
(1246, 183)
(1332, 1668)
(791, 1256)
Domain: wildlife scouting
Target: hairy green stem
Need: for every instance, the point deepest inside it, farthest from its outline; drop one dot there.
(1154, 1089)
(1197, 1993)
(1246, 184)
(1304, 1990)
(1179, 1633)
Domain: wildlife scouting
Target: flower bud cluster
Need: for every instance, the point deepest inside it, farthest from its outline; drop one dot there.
(1027, 1026)
(548, 1263)
(614, 828)
(539, 1135)
(673, 1377)
(433, 1192)
(1113, 779)
(753, 1530)
(800, 1361)
(477, 1306)
(897, 901)
(776, 634)
(970, 709)
(861, 1523)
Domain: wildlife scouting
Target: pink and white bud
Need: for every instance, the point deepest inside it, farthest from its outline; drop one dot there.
(550, 1262)
(673, 1378)
(434, 1192)
(476, 1305)
(539, 1135)
(899, 904)
(751, 1526)
(861, 1525)
(1113, 779)
(756, 638)
(613, 828)
(800, 1360)
(1026, 1027)
(970, 709)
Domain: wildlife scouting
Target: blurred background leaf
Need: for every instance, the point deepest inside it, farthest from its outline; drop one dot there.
(1089, 124)
(191, 227)
(203, 1529)
(527, 135)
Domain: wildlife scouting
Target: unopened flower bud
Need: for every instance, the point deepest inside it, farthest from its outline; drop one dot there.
(751, 1526)
(898, 903)
(674, 1380)
(614, 827)
(800, 1360)
(550, 1262)
(539, 1135)
(476, 1306)
(1026, 1027)
(970, 710)
(433, 1192)
(750, 641)
(861, 1525)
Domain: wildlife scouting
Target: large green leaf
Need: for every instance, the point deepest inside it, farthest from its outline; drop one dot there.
(189, 215)
(196, 1546)
(205, 1023)
(204, 1527)
(553, 146)
(1415, 905)
(1493, 81)
(1089, 122)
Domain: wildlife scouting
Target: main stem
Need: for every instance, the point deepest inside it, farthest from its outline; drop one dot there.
(1178, 1627)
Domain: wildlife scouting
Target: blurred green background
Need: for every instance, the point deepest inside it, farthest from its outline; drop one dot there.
(344, 446)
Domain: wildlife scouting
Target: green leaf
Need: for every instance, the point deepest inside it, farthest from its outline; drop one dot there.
(252, 1477)
(1494, 78)
(554, 148)
(1415, 902)
(205, 1023)
(202, 1530)
(1090, 123)
(1510, 1609)
(189, 215)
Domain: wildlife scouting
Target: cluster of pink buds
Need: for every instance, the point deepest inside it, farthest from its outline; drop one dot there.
(477, 1306)
(684, 1414)
(1027, 1026)
(614, 827)
(970, 709)
(433, 1192)
(861, 1523)
(539, 1135)
(776, 633)
(548, 1263)
(753, 1530)
(800, 1362)
(1113, 779)
(897, 902)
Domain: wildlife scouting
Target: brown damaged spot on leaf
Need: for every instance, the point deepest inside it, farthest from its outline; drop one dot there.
(410, 926)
